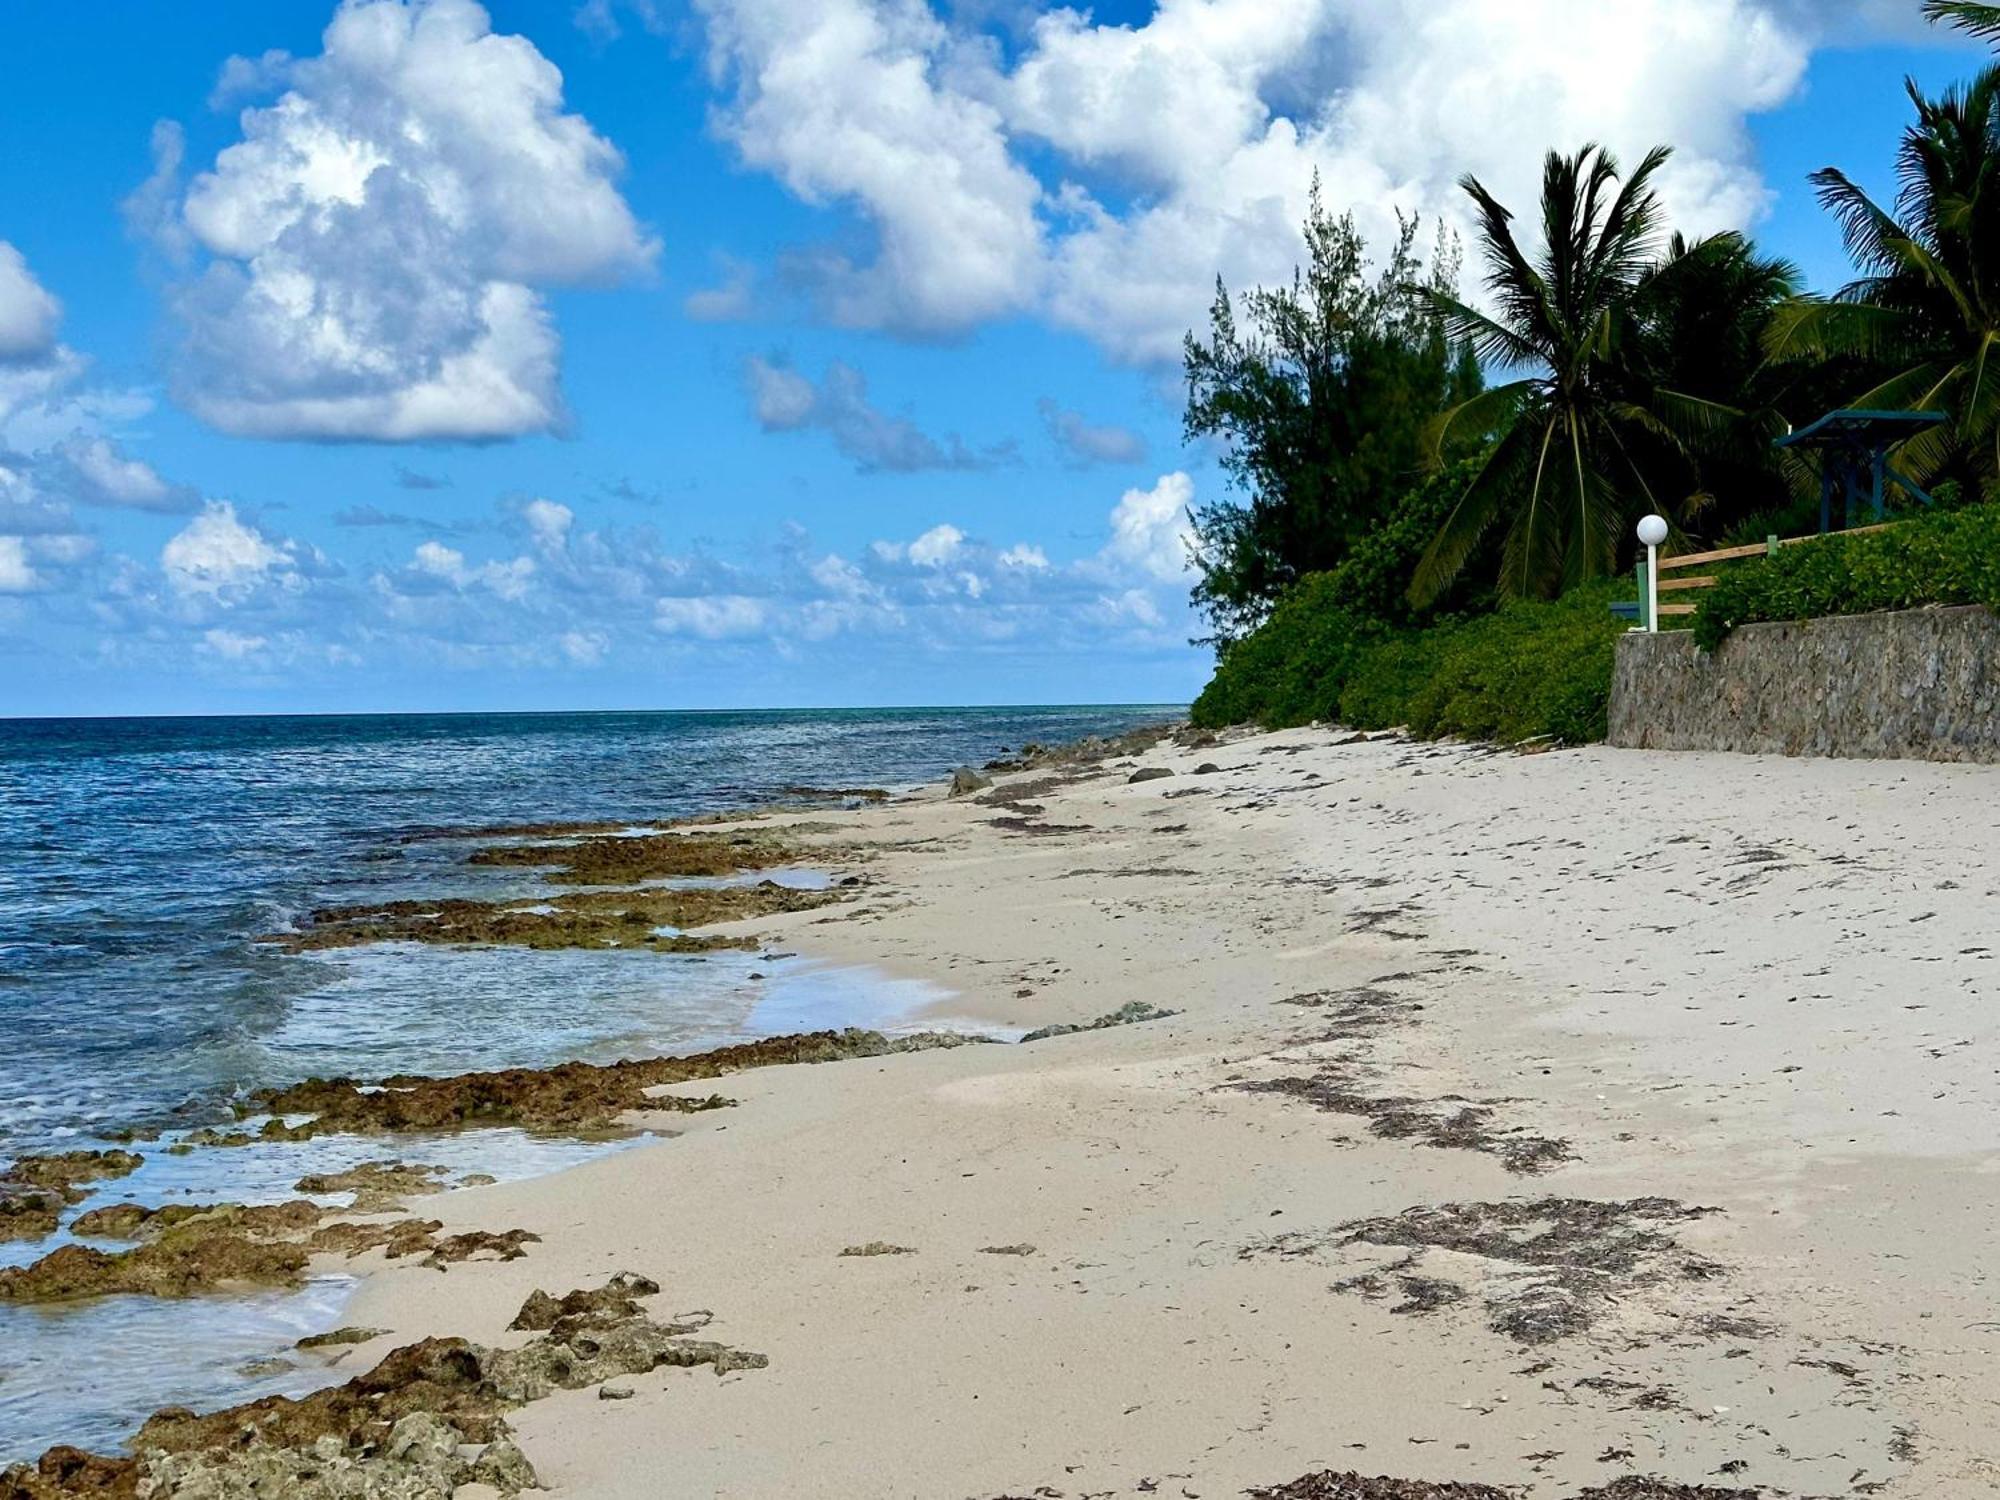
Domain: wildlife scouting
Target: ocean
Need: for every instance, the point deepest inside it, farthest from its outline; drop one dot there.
(143, 858)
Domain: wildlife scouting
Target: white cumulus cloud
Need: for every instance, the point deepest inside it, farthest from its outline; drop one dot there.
(851, 102)
(29, 312)
(99, 472)
(1150, 531)
(17, 574)
(372, 252)
(1101, 175)
(218, 552)
(714, 617)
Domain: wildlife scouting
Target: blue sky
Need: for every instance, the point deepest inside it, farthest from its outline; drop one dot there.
(737, 352)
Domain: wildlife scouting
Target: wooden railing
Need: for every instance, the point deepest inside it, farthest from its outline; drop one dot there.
(1766, 548)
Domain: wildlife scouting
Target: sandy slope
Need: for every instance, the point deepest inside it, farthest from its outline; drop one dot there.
(1759, 986)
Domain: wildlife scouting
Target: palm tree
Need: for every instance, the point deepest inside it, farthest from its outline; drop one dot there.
(1981, 20)
(1925, 311)
(1592, 434)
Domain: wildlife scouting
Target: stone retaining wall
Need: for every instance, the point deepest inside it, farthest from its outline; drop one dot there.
(1920, 684)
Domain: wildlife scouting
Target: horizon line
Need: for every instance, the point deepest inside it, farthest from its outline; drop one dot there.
(468, 713)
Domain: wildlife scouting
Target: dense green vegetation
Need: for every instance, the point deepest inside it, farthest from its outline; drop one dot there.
(1949, 558)
(1527, 670)
(1415, 546)
(1609, 332)
(1321, 391)
(1924, 316)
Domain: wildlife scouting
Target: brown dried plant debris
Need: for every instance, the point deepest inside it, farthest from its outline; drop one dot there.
(1450, 1123)
(1563, 1261)
(1328, 1485)
(429, 1418)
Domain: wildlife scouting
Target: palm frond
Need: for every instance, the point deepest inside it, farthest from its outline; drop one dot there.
(1520, 293)
(1492, 410)
(1867, 229)
(1493, 342)
(1807, 328)
(1485, 497)
(1982, 21)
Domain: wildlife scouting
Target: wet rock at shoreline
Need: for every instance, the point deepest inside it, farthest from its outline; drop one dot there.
(429, 1418)
(35, 1190)
(1093, 749)
(132, 1221)
(621, 860)
(377, 1186)
(1129, 1014)
(868, 794)
(585, 919)
(172, 1266)
(569, 1096)
(185, 1249)
(339, 1338)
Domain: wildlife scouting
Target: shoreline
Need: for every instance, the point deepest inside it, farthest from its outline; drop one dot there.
(1420, 989)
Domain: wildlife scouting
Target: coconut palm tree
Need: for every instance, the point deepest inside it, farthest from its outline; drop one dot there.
(1925, 310)
(1980, 20)
(1606, 419)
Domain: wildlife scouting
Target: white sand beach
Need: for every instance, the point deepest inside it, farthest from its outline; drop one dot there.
(1754, 986)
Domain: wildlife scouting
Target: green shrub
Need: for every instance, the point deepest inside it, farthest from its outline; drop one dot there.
(1949, 557)
(1294, 668)
(1528, 670)
(1533, 669)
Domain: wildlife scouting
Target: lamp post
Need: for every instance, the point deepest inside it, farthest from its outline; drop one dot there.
(1652, 532)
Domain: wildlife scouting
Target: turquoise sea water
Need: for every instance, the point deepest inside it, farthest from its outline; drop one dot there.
(141, 859)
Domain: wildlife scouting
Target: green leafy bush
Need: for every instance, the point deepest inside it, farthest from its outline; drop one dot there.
(1292, 669)
(1951, 557)
(1528, 670)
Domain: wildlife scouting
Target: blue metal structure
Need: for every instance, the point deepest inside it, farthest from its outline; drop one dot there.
(1855, 445)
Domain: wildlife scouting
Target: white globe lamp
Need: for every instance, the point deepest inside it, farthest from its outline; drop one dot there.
(1652, 532)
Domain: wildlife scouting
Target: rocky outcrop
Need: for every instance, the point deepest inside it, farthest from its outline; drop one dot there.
(1920, 684)
(377, 1186)
(184, 1249)
(623, 859)
(569, 1096)
(820, 794)
(1129, 1014)
(584, 919)
(35, 1190)
(429, 1418)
